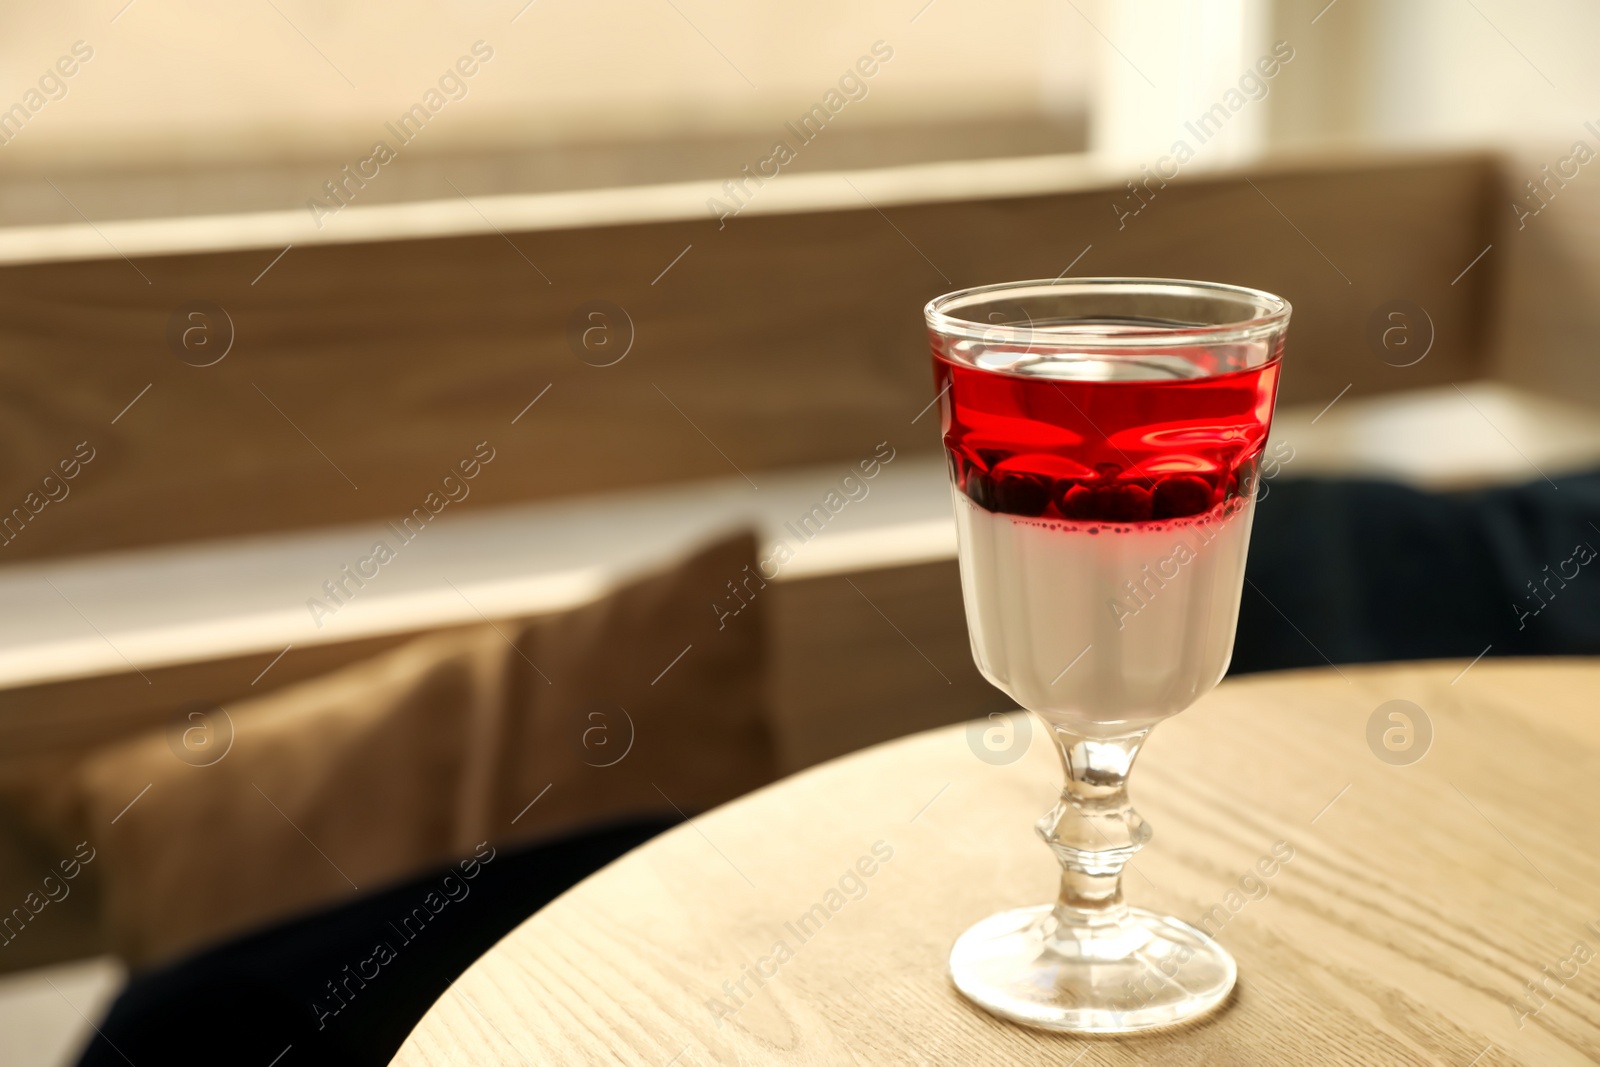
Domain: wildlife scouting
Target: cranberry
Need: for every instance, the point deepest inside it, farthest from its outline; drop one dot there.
(1106, 503)
(1073, 500)
(1180, 495)
(1123, 503)
(1021, 494)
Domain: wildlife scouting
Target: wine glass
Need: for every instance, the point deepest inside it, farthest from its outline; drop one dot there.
(1103, 437)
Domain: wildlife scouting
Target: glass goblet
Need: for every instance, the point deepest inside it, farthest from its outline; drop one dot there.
(1103, 438)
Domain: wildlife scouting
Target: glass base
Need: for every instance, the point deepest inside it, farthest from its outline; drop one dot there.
(1139, 973)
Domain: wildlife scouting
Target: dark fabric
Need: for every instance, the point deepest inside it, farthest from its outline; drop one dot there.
(1362, 571)
(248, 1001)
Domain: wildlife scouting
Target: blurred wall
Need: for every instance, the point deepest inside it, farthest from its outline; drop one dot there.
(195, 80)
(1429, 73)
(1165, 66)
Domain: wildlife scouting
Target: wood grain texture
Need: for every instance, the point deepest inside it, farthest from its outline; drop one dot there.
(1418, 904)
(362, 373)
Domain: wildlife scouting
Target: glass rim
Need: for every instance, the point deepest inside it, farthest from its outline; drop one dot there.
(937, 314)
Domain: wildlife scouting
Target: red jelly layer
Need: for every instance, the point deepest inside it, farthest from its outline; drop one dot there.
(1109, 451)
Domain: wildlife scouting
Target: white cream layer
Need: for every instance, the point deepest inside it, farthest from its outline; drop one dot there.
(1099, 623)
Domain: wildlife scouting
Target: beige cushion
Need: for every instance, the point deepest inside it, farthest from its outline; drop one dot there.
(400, 762)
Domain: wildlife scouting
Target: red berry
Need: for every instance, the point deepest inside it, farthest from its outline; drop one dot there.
(1073, 500)
(1106, 503)
(1123, 503)
(1179, 496)
(1021, 494)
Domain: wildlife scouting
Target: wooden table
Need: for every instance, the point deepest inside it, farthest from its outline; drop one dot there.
(1421, 899)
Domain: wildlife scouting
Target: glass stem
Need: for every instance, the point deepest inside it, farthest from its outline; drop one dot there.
(1093, 829)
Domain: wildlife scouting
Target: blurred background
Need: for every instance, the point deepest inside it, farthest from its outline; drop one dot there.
(189, 109)
(585, 314)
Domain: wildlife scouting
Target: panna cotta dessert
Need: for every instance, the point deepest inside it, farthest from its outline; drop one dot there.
(1103, 510)
(1104, 437)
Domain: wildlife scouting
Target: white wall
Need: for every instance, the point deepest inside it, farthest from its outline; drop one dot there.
(1163, 64)
(1437, 73)
(1446, 71)
(1366, 73)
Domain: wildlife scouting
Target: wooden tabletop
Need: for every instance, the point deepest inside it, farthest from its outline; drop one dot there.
(1436, 910)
